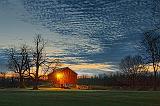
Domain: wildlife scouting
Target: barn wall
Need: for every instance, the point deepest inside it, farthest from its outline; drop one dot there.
(69, 78)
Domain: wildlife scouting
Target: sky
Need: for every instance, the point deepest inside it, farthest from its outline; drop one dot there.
(89, 36)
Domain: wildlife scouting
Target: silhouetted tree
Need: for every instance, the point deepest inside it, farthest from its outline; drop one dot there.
(40, 60)
(39, 57)
(150, 46)
(130, 67)
(18, 59)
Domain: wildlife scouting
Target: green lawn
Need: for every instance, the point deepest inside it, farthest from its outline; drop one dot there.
(78, 98)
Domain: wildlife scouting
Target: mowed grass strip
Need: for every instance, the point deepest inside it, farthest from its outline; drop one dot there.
(79, 98)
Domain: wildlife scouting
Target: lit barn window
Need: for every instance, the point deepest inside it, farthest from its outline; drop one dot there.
(59, 75)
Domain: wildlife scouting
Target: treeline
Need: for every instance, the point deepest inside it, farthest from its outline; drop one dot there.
(136, 71)
(118, 80)
(13, 82)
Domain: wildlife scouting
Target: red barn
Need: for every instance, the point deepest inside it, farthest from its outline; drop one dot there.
(63, 77)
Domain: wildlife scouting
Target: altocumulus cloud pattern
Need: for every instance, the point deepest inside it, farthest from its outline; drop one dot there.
(107, 29)
(93, 31)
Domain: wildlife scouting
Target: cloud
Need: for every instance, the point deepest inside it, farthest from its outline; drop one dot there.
(80, 31)
(85, 66)
(89, 68)
(93, 28)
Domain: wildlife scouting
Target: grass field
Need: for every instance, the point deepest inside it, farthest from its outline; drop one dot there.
(78, 98)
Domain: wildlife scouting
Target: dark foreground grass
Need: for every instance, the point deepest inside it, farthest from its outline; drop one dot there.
(78, 98)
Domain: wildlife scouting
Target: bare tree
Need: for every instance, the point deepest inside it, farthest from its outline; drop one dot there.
(40, 60)
(150, 47)
(17, 59)
(130, 66)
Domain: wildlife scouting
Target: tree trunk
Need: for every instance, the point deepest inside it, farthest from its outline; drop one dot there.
(35, 87)
(21, 83)
(133, 81)
(155, 81)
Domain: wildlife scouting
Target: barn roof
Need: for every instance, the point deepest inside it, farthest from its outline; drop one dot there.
(61, 69)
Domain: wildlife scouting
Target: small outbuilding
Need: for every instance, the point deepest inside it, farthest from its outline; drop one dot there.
(63, 77)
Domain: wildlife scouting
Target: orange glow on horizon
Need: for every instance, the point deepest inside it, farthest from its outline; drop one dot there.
(87, 66)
